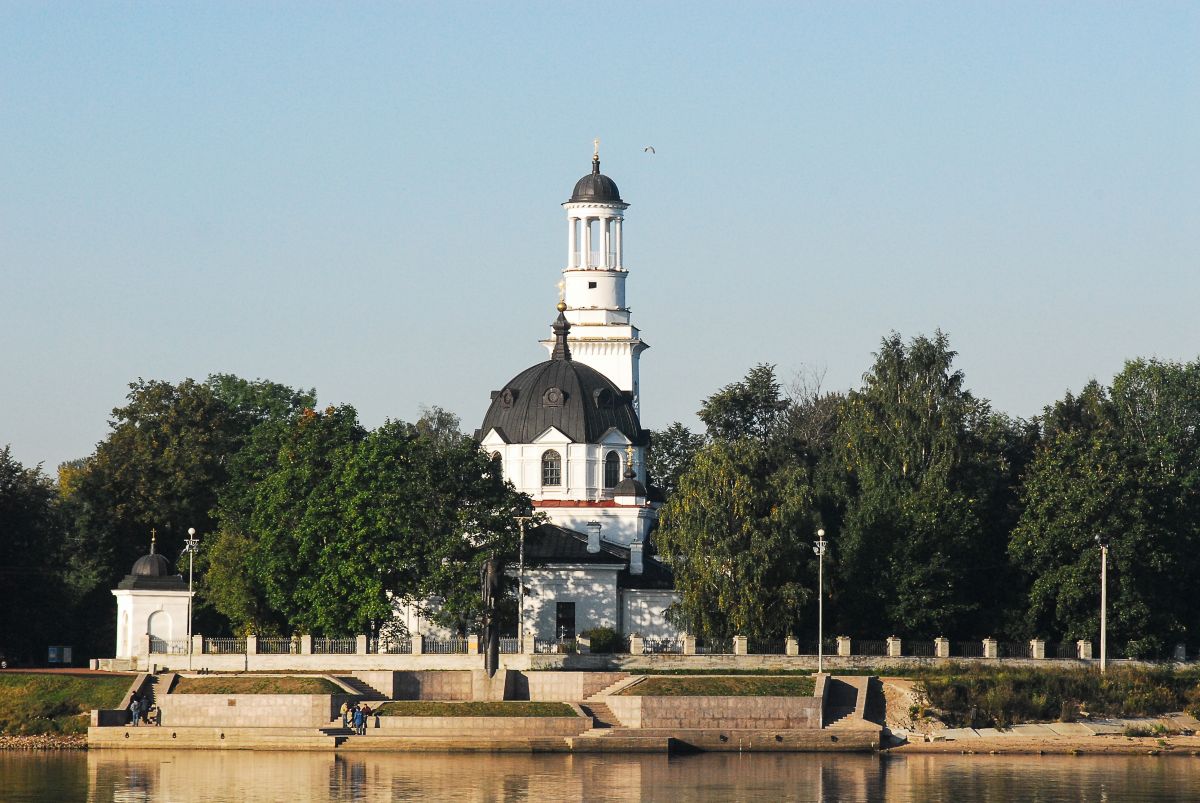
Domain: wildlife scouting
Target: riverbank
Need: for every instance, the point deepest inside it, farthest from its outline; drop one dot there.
(44, 741)
(1058, 746)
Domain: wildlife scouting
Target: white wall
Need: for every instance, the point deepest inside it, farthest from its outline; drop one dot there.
(644, 612)
(134, 609)
(593, 590)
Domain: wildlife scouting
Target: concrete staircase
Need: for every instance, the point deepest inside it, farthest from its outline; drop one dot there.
(602, 716)
(854, 703)
(363, 690)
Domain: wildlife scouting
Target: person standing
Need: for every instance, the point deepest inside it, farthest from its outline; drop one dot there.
(346, 714)
(360, 727)
(135, 709)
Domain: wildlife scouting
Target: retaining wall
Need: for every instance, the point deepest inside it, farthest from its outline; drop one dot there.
(564, 686)
(747, 713)
(251, 710)
(491, 727)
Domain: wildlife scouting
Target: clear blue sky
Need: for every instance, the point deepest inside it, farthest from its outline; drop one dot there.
(365, 198)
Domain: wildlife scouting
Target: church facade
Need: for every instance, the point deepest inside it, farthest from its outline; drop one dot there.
(567, 432)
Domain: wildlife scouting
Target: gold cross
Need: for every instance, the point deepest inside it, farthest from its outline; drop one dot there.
(596, 146)
(629, 455)
(153, 538)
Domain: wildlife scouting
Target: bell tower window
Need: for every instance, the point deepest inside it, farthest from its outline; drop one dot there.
(612, 470)
(551, 468)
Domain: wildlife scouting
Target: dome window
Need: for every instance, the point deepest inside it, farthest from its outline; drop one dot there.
(551, 468)
(603, 398)
(507, 397)
(612, 470)
(553, 397)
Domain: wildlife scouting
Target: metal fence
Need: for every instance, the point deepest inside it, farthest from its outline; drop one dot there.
(561, 646)
(868, 647)
(160, 646)
(391, 646)
(510, 646)
(967, 649)
(225, 646)
(1014, 649)
(450, 646)
(1063, 649)
(715, 646)
(662, 646)
(766, 647)
(334, 646)
(918, 649)
(275, 645)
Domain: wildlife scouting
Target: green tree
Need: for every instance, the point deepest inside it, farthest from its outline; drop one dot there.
(1122, 464)
(33, 594)
(750, 408)
(671, 451)
(916, 552)
(735, 536)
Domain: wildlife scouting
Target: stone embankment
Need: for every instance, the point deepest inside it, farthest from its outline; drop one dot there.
(44, 741)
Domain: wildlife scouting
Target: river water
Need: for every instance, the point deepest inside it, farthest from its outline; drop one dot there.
(221, 777)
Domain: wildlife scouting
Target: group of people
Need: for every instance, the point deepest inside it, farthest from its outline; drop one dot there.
(356, 716)
(142, 711)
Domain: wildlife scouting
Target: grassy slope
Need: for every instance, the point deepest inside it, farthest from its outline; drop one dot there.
(44, 703)
(708, 686)
(984, 696)
(255, 685)
(422, 708)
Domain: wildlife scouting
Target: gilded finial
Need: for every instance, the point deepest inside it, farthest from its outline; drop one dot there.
(562, 296)
(629, 455)
(596, 148)
(153, 538)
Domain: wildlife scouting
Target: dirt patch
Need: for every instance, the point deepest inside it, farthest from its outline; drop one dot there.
(721, 686)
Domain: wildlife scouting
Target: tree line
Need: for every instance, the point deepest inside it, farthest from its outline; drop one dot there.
(308, 521)
(944, 516)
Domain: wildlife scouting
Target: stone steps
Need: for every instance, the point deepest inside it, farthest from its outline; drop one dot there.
(602, 716)
(613, 688)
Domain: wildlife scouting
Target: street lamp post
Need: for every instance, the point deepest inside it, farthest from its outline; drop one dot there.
(190, 548)
(521, 586)
(1103, 602)
(819, 549)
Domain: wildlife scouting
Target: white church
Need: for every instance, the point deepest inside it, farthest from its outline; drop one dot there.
(567, 432)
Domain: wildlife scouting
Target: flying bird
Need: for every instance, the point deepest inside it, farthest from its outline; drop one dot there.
(648, 149)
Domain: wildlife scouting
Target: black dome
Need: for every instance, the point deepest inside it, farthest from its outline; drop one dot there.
(578, 400)
(596, 187)
(152, 565)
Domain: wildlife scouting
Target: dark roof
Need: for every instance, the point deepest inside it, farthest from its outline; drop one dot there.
(596, 187)
(141, 582)
(629, 485)
(578, 400)
(549, 544)
(152, 565)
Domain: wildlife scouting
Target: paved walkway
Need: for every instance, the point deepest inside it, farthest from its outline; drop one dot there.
(1054, 730)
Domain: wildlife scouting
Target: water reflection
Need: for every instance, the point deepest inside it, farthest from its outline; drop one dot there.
(132, 777)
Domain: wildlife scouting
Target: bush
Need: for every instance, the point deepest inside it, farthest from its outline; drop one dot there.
(604, 639)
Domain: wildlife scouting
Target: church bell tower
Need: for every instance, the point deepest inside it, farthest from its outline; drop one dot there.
(593, 286)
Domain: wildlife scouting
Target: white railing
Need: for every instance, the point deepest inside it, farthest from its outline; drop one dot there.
(160, 646)
(334, 646)
(276, 645)
(445, 647)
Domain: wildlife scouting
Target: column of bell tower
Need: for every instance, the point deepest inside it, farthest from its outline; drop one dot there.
(593, 288)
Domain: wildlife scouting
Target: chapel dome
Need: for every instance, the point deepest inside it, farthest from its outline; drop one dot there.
(152, 565)
(596, 187)
(574, 398)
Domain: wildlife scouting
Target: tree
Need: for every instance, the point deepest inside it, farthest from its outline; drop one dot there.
(670, 453)
(1122, 464)
(33, 595)
(746, 409)
(915, 553)
(733, 534)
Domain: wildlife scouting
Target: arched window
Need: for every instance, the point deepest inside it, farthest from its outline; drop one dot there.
(551, 468)
(612, 470)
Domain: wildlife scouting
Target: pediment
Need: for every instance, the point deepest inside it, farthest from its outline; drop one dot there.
(553, 435)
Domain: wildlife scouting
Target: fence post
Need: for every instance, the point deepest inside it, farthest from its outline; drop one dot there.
(418, 644)
(252, 644)
(941, 647)
(893, 647)
(197, 644)
(1084, 649)
(473, 644)
(637, 646)
(306, 644)
(530, 642)
(144, 645)
(741, 645)
(843, 645)
(990, 648)
(360, 645)
(689, 644)
(791, 646)
(1037, 648)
